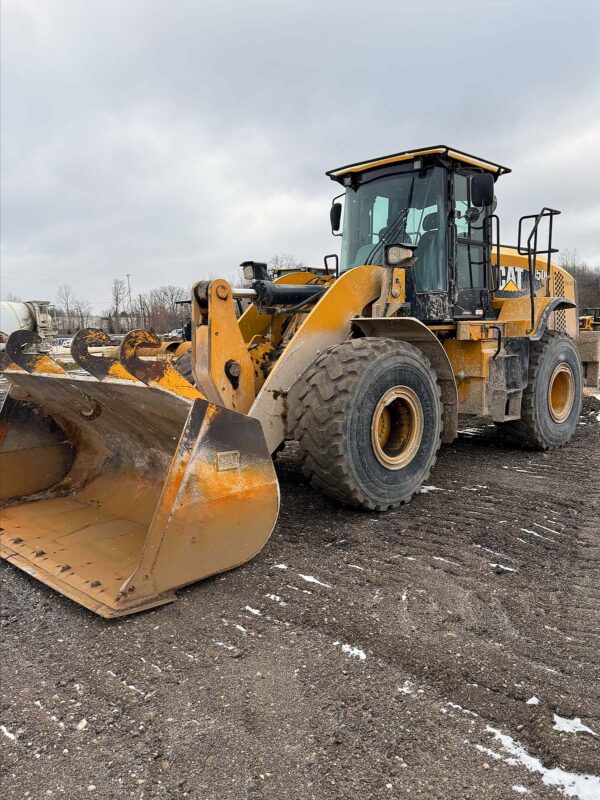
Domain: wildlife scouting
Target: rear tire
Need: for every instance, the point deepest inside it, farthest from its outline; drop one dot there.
(370, 422)
(551, 402)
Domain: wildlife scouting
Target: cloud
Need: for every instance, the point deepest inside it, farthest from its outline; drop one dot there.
(172, 140)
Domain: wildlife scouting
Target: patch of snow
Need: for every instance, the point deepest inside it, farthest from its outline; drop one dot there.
(502, 566)
(296, 589)
(222, 644)
(130, 685)
(280, 566)
(533, 701)
(254, 611)
(8, 734)
(492, 753)
(539, 535)
(544, 528)
(276, 599)
(406, 687)
(427, 489)
(49, 714)
(240, 628)
(310, 579)
(460, 708)
(447, 560)
(493, 552)
(574, 725)
(355, 566)
(349, 650)
(520, 789)
(571, 784)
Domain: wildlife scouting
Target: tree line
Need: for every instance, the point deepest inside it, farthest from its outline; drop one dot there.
(160, 310)
(588, 278)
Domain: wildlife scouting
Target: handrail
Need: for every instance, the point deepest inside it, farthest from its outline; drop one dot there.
(532, 253)
(495, 274)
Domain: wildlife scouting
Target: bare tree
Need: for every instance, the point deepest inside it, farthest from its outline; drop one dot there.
(159, 310)
(284, 261)
(119, 293)
(66, 302)
(12, 298)
(587, 277)
(82, 311)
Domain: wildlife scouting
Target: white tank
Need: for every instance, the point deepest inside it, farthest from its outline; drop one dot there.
(33, 315)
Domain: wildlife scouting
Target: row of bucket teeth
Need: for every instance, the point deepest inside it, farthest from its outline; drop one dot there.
(127, 367)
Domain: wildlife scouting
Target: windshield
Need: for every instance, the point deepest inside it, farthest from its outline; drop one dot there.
(400, 208)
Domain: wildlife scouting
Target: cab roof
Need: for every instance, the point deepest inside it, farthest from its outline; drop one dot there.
(408, 155)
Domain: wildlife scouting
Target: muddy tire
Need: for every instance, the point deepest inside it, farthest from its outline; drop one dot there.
(369, 422)
(551, 402)
(184, 366)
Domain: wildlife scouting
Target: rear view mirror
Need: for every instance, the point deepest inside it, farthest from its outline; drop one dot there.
(335, 216)
(482, 190)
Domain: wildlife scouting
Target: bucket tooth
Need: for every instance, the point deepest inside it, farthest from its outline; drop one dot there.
(29, 362)
(100, 367)
(161, 374)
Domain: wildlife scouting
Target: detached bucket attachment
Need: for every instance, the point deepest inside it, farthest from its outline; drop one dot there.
(122, 485)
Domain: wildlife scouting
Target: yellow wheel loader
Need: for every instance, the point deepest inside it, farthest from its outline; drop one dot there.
(127, 480)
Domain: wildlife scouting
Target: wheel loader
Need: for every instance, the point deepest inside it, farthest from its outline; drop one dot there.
(128, 479)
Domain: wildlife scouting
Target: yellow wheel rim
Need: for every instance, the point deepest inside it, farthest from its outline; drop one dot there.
(397, 427)
(561, 392)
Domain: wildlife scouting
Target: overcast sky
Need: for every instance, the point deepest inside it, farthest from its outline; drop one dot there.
(172, 139)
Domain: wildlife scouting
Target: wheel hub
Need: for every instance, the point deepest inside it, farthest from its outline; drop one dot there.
(561, 392)
(397, 427)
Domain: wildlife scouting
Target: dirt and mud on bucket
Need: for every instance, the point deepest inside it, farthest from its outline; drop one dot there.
(120, 486)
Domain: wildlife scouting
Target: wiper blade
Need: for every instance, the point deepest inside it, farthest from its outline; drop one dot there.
(393, 229)
(390, 233)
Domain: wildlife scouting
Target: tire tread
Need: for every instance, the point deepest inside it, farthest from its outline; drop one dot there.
(319, 428)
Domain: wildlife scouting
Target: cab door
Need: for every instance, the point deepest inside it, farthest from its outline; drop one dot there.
(472, 252)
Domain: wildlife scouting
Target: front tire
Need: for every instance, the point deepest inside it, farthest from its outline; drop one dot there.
(551, 402)
(370, 422)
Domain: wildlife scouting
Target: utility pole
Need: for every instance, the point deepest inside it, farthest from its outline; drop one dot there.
(129, 295)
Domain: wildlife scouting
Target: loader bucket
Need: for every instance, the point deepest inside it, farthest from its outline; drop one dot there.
(122, 484)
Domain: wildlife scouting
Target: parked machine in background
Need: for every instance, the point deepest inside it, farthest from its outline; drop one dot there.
(589, 319)
(129, 481)
(33, 315)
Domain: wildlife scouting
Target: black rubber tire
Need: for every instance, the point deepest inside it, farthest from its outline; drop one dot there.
(184, 366)
(536, 426)
(337, 399)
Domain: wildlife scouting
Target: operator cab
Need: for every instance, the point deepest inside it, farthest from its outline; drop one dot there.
(437, 200)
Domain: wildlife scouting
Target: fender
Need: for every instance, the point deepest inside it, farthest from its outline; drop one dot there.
(328, 324)
(554, 305)
(410, 329)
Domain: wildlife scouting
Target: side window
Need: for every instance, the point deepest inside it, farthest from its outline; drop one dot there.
(470, 253)
(379, 216)
(461, 204)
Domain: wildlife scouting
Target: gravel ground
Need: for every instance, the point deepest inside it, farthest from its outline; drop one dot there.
(444, 650)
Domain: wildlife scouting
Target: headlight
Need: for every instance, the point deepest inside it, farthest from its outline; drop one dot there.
(397, 254)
